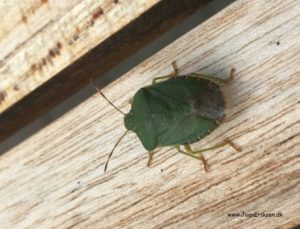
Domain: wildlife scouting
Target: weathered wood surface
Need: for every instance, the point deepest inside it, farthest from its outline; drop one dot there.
(55, 178)
(38, 39)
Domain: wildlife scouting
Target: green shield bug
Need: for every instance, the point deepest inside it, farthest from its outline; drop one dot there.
(176, 110)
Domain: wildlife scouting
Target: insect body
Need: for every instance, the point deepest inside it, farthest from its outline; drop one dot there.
(177, 112)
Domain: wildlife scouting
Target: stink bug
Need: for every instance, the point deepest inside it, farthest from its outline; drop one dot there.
(176, 110)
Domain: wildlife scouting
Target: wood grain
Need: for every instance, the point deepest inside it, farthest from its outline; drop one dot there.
(40, 38)
(55, 178)
(41, 70)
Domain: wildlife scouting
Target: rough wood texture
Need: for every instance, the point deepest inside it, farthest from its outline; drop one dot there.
(33, 56)
(40, 38)
(55, 178)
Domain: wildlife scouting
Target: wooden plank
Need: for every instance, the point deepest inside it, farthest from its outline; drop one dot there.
(39, 44)
(55, 178)
(40, 38)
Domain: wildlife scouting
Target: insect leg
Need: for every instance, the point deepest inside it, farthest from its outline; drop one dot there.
(231, 75)
(212, 78)
(150, 158)
(207, 77)
(221, 144)
(189, 153)
(173, 74)
(175, 67)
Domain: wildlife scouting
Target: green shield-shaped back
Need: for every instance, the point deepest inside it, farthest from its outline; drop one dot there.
(175, 112)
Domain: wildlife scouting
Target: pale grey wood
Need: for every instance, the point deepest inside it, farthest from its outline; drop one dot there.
(55, 178)
(40, 38)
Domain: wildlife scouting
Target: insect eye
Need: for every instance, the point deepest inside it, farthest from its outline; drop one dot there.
(129, 121)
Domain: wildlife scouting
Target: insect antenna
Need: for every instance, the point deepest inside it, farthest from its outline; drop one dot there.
(100, 92)
(109, 156)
